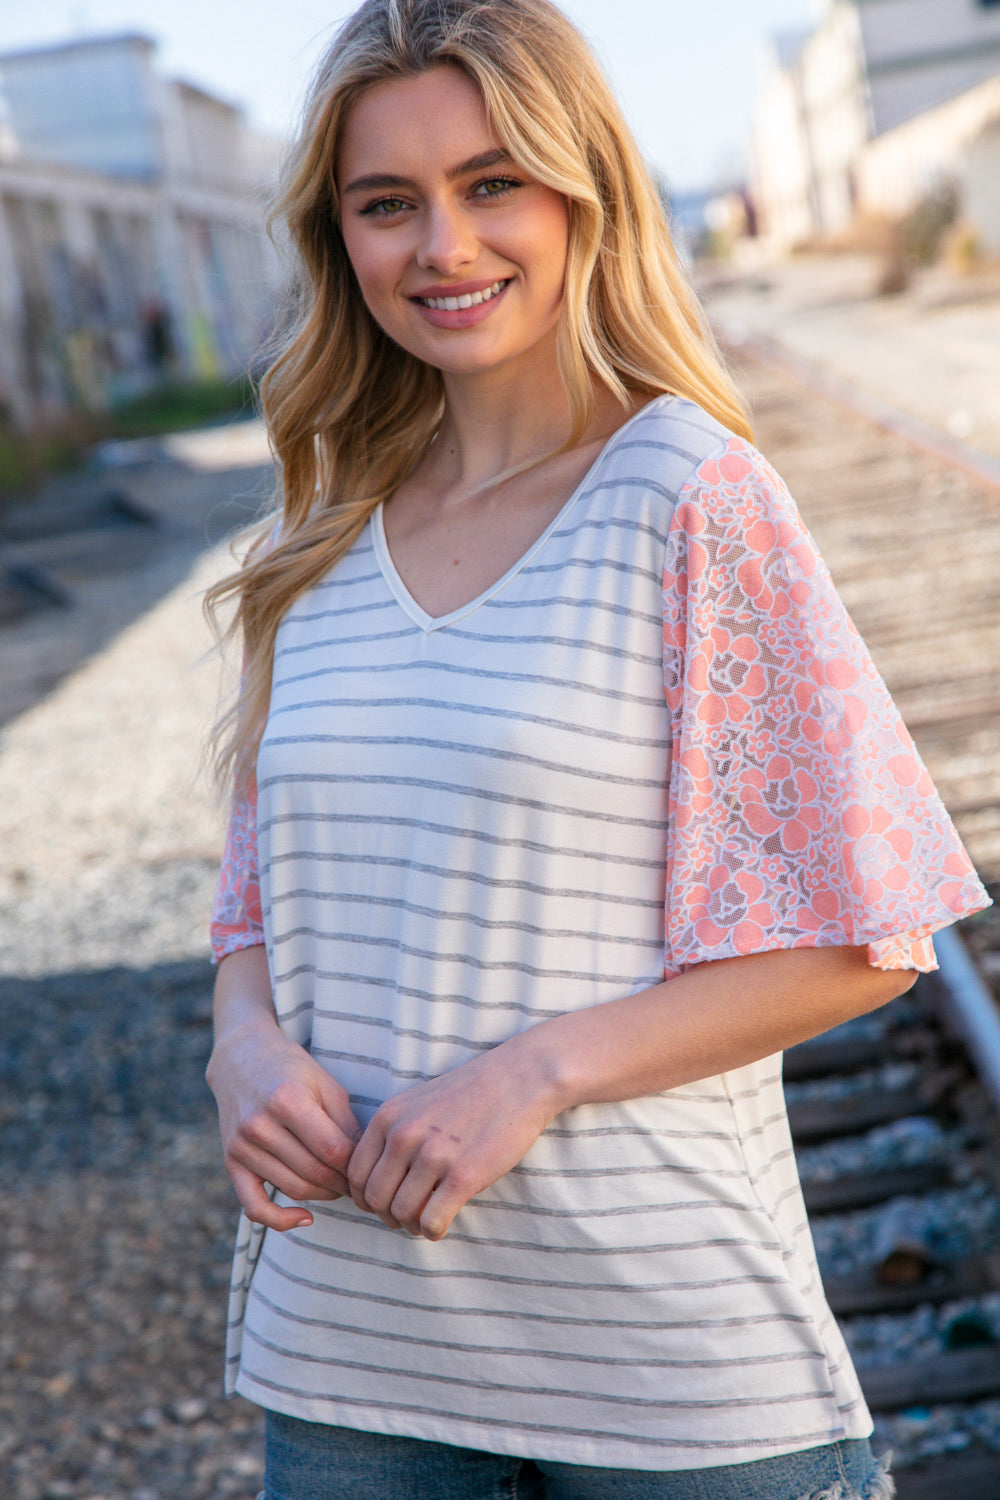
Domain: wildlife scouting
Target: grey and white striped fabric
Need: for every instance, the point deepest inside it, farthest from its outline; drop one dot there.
(462, 830)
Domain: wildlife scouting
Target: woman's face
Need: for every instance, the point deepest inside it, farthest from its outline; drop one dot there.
(460, 255)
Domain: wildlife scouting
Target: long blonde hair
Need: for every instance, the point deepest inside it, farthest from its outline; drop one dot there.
(349, 413)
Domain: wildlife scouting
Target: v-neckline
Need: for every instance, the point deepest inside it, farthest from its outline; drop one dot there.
(427, 622)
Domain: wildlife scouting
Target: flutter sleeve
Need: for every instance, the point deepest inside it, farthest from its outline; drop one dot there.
(236, 914)
(800, 812)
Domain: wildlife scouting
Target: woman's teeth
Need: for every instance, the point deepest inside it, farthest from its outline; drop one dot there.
(467, 299)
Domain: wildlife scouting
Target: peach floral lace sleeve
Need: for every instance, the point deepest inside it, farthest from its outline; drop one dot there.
(800, 812)
(236, 915)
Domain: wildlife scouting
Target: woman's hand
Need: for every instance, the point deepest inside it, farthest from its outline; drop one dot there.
(427, 1151)
(283, 1119)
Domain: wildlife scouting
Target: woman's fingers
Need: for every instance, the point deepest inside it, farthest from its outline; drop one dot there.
(398, 1193)
(259, 1207)
(298, 1133)
(284, 1119)
(420, 1192)
(285, 1164)
(336, 1104)
(367, 1159)
(399, 1165)
(430, 1149)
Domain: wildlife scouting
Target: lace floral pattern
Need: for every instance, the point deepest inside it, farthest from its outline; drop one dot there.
(800, 812)
(236, 914)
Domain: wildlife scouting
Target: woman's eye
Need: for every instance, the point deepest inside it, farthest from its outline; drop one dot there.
(384, 208)
(496, 187)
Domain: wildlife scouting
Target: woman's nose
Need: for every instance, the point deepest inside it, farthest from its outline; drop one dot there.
(447, 241)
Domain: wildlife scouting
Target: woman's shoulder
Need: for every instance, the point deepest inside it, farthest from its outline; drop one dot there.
(675, 462)
(665, 443)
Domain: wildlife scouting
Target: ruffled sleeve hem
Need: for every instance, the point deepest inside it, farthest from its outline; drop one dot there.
(226, 941)
(907, 950)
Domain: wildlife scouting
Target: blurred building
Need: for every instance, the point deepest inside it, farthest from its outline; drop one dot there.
(132, 240)
(858, 83)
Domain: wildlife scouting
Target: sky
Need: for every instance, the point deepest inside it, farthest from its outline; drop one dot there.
(686, 71)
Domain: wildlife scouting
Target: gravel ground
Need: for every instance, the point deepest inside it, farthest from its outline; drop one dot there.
(955, 1223)
(113, 1304)
(930, 1432)
(905, 1143)
(889, 1077)
(925, 1332)
(119, 1219)
(116, 1242)
(110, 828)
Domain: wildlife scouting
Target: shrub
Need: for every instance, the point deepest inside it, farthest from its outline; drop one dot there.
(922, 230)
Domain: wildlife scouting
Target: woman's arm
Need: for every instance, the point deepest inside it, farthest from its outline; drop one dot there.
(284, 1120)
(429, 1150)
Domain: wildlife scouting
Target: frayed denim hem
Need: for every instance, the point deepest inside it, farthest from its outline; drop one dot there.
(880, 1486)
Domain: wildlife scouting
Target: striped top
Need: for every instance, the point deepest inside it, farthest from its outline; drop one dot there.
(531, 805)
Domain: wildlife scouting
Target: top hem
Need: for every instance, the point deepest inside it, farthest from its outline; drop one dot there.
(569, 1448)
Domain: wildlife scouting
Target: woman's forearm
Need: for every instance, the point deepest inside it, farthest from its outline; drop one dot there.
(243, 991)
(714, 1018)
(431, 1148)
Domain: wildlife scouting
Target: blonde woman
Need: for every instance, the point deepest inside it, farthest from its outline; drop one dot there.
(566, 797)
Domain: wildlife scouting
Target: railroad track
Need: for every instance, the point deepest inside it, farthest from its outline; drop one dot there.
(898, 1144)
(897, 1133)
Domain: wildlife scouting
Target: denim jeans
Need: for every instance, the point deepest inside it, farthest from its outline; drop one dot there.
(311, 1461)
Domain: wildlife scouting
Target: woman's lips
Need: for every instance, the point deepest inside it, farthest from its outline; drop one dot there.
(461, 306)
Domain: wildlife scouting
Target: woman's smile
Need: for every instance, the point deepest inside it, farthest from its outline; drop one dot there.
(461, 306)
(460, 254)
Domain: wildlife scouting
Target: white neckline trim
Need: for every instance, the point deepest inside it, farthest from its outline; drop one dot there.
(427, 622)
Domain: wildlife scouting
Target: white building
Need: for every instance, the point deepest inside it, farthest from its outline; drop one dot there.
(921, 53)
(956, 141)
(869, 68)
(132, 239)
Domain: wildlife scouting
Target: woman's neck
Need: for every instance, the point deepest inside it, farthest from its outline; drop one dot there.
(503, 420)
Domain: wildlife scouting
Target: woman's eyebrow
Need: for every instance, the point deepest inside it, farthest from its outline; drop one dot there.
(373, 180)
